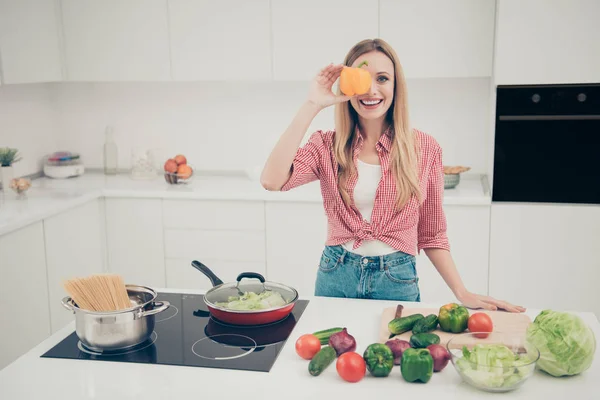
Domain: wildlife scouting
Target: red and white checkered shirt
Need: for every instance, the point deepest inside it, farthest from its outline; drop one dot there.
(415, 227)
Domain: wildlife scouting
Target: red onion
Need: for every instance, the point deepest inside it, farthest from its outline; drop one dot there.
(342, 342)
(397, 346)
(440, 356)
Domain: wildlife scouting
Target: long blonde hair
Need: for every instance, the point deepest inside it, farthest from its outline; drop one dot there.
(404, 152)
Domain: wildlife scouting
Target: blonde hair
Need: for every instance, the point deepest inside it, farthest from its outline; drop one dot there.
(404, 152)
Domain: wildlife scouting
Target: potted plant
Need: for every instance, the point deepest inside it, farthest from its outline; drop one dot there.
(8, 157)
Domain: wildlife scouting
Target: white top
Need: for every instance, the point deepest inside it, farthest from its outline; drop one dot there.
(102, 380)
(369, 176)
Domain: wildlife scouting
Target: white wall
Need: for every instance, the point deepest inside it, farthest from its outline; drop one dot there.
(233, 126)
(28, 123)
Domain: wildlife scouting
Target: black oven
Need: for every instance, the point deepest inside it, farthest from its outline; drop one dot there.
(547, 144)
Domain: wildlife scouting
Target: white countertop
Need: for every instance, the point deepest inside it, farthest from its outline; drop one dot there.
(32, 377)
(48, 197)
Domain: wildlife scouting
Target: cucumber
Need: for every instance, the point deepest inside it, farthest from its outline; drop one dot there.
(325, 334)
(426, 324)
(422, 340)
(321, 360)
(403, 324)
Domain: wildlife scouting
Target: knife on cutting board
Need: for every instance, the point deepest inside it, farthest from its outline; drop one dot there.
(399, 311)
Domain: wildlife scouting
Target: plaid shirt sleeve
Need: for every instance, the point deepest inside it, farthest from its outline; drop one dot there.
(432, 219)
(306, 166)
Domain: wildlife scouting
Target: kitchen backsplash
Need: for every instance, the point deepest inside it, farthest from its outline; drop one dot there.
(222, 126)
(28, 123)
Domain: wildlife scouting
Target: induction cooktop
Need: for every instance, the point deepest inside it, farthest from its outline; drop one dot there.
(186, 334)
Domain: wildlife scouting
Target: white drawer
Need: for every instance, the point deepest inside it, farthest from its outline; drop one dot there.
(214, 215)
(219, 245)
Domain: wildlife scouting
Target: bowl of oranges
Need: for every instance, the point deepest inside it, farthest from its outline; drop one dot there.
(177, 170)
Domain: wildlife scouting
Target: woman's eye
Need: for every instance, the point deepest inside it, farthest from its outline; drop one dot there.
(382, 79)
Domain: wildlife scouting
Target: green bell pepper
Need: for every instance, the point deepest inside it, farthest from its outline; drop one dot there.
(379, 359)
(416, 365)
(453, 318)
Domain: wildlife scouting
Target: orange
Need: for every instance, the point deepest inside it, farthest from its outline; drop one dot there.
(184, 171)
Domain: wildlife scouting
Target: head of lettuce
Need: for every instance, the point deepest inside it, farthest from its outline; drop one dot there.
(566, 343)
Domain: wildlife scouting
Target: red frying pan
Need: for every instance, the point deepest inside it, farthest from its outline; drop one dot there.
(220, 292)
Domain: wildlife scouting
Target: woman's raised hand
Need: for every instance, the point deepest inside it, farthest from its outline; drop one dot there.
(320, 93)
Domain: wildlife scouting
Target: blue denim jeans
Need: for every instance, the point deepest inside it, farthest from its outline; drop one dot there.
(345, 274)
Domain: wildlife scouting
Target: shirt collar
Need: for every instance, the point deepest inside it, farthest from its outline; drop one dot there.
(385, 140)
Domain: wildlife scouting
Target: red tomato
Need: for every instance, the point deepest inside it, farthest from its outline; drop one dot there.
(307, 346)
(351, 366)
(480, 322)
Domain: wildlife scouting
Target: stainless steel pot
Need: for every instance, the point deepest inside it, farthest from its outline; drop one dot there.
(121, 329)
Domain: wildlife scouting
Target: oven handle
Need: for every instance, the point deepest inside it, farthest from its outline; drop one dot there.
(548, 117)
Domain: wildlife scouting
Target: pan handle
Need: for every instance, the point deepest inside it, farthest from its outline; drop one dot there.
(251, 275)
(206, 271)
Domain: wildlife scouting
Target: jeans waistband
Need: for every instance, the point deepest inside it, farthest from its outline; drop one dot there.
(375, 262)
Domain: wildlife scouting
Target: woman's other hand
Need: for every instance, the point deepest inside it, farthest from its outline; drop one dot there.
(471, 300)
(320, 93)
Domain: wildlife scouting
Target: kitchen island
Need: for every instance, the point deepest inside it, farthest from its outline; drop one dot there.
(33, 377)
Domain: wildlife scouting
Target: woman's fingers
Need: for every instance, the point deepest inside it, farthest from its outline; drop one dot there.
(487, 306)
(505, 305)
(334, 74)
(341, 98)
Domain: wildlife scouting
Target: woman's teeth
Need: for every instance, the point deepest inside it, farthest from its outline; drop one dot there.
(370, 103)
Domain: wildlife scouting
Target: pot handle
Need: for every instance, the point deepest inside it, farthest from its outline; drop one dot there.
(162, 306)
(66, 303)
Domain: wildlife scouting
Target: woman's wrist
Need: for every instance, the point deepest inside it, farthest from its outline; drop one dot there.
(460, 292)
(312, 107)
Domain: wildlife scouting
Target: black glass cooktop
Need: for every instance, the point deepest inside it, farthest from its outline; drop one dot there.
(187, 335)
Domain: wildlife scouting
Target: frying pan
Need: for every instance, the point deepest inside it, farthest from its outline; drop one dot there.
(220, 292)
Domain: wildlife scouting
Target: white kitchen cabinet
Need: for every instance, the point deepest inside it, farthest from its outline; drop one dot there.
(310, 34)
(29, 41)
(209, 215)
(135, 244)
(547, 41)
(75, 248)
(296, 235)
(439, 38)
(23, 292)
(220, 40)
(468, 233)
(116, 40)
(546, 256)
(227, 236)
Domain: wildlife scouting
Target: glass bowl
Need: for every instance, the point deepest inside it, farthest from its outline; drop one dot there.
(493, 362)
(20, 185)
(175, 178)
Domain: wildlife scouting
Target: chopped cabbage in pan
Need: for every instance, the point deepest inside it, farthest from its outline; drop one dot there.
(253, 301)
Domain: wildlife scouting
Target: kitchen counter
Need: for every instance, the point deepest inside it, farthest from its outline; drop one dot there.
(48, 197)
(32, 377)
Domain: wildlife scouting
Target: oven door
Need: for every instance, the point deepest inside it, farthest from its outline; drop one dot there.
(547, 159)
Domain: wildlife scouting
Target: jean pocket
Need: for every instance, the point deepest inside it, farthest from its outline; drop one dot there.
(328, 263)
(402, 273)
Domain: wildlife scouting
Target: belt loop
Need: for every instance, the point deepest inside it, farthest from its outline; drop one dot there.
(343, 255)
(381, 264)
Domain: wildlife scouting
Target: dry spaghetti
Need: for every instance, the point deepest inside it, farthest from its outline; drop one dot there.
(100, 292)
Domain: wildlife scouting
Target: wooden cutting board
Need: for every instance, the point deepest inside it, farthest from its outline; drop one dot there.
(512, 323)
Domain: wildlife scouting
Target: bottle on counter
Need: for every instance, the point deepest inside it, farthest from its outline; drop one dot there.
(111, 155)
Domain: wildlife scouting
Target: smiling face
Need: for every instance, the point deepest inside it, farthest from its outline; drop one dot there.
(377, 101)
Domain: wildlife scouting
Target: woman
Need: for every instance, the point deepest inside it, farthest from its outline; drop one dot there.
(382, 184)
